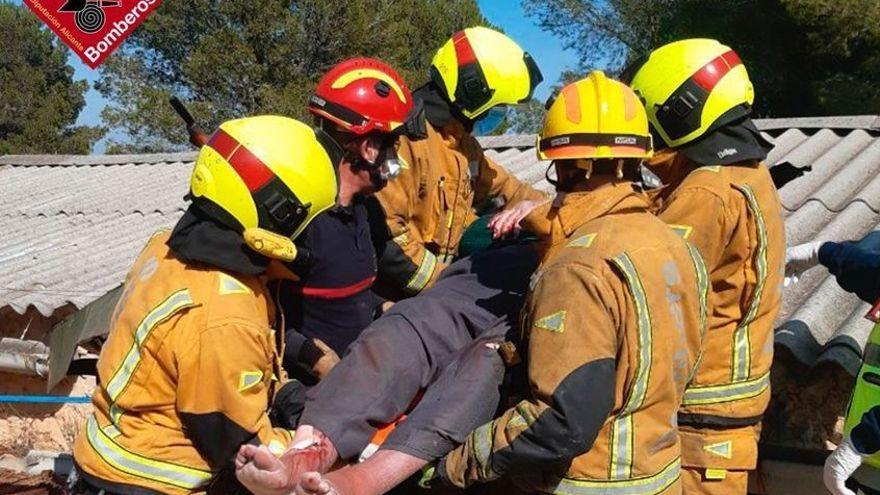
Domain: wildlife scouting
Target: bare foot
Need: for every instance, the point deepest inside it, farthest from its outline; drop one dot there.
(313, 483)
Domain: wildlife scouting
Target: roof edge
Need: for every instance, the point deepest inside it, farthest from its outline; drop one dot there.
(93, 160)
(507, 141)
(867, 122)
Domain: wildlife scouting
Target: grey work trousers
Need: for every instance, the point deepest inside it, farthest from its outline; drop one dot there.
(434, 343)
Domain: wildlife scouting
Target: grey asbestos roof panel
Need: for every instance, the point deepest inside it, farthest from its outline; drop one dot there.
(73, 224)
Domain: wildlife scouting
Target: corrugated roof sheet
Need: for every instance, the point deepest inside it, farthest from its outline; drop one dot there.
(73, 224)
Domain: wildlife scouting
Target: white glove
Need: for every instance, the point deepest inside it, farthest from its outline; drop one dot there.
(799, 259)
(839, 466)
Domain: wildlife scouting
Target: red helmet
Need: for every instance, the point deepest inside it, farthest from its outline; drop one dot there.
(363, 95)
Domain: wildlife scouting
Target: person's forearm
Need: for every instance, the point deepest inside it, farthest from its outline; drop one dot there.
(378, 474)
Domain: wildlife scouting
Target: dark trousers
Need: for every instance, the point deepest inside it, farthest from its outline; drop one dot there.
(432, 344)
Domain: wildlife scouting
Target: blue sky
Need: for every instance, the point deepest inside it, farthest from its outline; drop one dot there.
(545, 48)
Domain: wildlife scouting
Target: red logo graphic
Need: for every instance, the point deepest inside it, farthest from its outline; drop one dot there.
(93, 28)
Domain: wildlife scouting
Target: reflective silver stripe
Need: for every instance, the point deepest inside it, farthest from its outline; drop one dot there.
(423, 275)
(167, 308)
(726, 393)
(140, 466)
(648, 485)
(112, 431)
(702, 286)
(742, 358)
(703, 290)
(622, 430)
(481, 442)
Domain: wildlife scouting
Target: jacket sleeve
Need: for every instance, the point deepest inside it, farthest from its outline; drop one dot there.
(856, 265)
(495, 181)
(572, 367)
(404, 261)
(223, 395)
(701, 217)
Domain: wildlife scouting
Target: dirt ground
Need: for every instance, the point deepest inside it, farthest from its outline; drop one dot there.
(15, 483)
(52, 427)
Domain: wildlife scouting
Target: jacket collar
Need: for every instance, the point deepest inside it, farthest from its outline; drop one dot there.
(577, 208)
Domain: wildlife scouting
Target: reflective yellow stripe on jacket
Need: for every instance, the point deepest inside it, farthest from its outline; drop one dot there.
(137, 465)
(122, 376)
(648, 485)
(423, 275)
(623, 430)
(742, 358)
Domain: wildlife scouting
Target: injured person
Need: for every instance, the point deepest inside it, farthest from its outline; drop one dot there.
(433, 359)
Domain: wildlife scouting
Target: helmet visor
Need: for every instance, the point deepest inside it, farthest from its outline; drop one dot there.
(490, 121)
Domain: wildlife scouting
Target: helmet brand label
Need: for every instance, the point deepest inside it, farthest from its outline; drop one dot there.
(560, 141)
(93, 29)
(625, 140)
(727, 152)
(317, 100)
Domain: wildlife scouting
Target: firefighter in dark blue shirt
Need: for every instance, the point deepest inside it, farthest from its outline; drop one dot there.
(365, 106)
(856, 265)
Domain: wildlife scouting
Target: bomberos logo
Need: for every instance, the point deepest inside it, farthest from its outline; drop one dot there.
(93, 28)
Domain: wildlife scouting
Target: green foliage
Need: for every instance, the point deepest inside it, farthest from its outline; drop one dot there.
(39, 100)
(805, 57)
(529, 117)
(237, 57)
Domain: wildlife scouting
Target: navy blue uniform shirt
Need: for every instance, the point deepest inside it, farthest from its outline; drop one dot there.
(332, 301)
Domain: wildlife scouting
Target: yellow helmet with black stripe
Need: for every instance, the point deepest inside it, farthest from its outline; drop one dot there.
(592, 119)
(480, 68)
(267, 177)
(691, 87)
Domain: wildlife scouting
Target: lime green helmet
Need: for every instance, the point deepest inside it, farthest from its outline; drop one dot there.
(479, 68)
(691, 87)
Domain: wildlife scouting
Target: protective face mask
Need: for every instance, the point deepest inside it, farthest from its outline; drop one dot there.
(490, 121)
(385, 167)
(388, 163)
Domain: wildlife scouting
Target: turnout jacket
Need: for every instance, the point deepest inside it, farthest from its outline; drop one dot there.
(613, 325)
(186, 377)
(431, 203)
(733, 216)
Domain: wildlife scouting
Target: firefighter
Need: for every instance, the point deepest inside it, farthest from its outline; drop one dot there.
(192, 358)
(365, 106)
(475, 76)
(856, 265)
(721, 198)
(612, 324)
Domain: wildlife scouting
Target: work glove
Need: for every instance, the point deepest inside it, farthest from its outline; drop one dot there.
(839, 466)
(326, 362)
(799, 259)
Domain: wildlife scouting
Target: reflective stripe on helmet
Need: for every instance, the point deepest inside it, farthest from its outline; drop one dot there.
(682, 112)
(596, 139)
(143, 467)
(622, 433)
(464, 52)
(647, 485)
(248, 166)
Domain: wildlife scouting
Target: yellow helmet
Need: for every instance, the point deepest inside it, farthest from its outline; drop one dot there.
(595, 118)
(479, 68)
(268, 177)
(691, 87)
